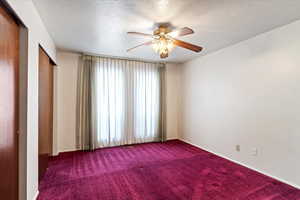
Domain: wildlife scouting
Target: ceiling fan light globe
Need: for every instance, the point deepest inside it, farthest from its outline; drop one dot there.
(163, 46)
(156, 46)
(170, 45)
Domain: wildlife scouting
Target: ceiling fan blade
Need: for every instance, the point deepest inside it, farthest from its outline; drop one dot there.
(181, 32)
(140, 34)
(144, 44)
(187, 45)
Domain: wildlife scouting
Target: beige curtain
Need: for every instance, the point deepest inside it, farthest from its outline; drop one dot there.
(120, 102)
(83, 138)
(163, 106)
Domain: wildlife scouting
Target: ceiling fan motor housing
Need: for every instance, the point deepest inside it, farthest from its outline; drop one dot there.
(162, 30)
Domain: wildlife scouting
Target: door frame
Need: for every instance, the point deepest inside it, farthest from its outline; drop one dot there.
(43, 163)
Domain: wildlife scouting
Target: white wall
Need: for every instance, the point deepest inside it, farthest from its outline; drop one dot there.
(248, 94)
(37, 34)
(172, 100)
(65, 98)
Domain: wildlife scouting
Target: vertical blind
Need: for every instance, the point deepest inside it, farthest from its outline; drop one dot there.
(126, 103)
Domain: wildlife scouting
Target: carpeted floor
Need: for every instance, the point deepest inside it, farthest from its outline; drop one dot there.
(156, 171)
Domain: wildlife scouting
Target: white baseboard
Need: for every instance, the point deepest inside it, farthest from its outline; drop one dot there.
(173, 138)
(55, 154)
(262, 172)
(66, 150)
(36, 195)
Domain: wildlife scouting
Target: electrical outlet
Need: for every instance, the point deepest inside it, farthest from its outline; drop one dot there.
(238, 148)
(254, 152)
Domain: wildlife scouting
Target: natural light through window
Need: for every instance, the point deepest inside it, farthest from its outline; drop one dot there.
(127, 102)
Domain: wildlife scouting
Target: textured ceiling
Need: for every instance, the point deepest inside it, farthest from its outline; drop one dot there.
(100, 26)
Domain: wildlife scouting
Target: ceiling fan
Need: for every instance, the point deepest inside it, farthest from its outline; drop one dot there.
(163, 40)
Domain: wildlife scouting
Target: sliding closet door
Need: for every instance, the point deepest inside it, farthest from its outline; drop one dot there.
(45, 111)
(9, 65)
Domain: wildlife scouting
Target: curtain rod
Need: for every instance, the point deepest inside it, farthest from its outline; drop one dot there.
(116, 57)
(120, 58)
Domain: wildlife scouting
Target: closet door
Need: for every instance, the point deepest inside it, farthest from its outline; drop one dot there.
(9, 65)
(45, 111)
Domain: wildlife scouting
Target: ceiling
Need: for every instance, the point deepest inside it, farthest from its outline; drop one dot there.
(100, 26)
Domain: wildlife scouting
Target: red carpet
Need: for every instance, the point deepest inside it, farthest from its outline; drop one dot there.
(156, 171)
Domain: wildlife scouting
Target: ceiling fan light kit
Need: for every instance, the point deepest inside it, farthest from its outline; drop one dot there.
(163, 46)
(163, 41)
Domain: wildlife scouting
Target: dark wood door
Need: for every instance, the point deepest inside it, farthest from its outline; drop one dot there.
(45, 111)
(9, 65)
